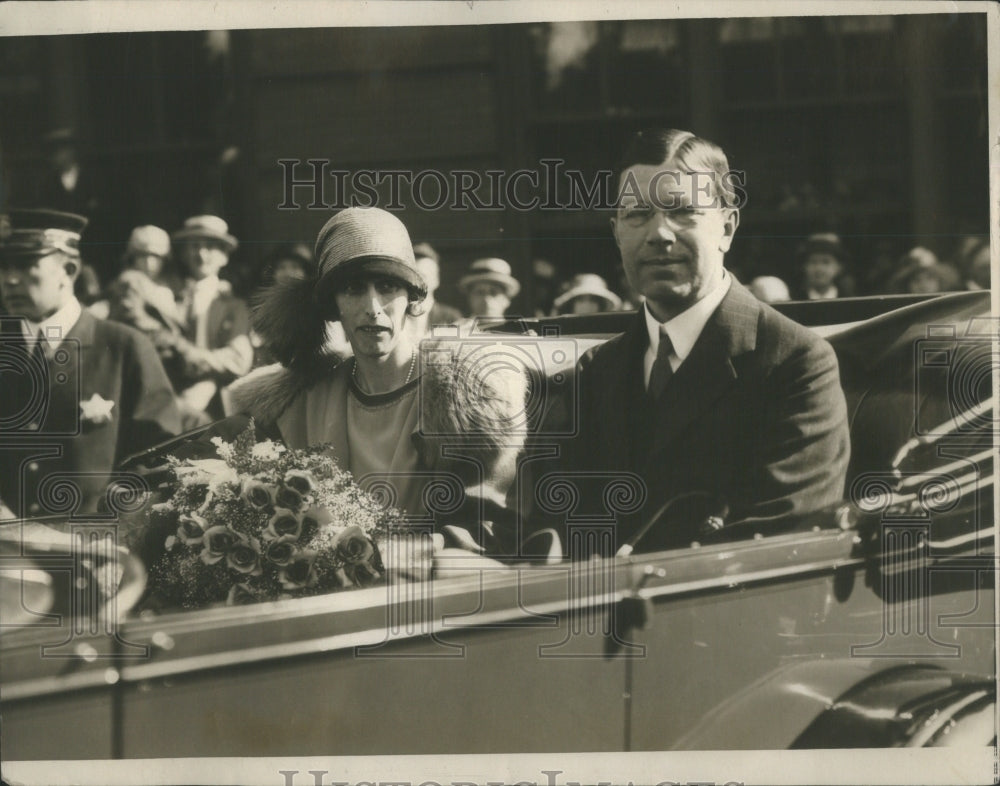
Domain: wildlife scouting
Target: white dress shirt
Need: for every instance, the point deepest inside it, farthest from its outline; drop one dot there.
(54, 328)
(830, 293)
(683, 329)
(70, 177)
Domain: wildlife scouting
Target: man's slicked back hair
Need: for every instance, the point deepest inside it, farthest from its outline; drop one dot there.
(684, 150)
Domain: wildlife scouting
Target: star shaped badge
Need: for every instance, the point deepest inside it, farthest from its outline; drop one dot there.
(96, 409)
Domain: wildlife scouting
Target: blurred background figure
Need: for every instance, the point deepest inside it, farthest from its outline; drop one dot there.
(586, 293)
(288, 263)
(769, 289)
(68, 186)
(141, 296)
(489, 286)
(435, 312)
(880, 267)
(148, 252)
(543, 290)
(973, 260)
(213, 346)
(920, 273)
(90, 293)
(822, 264)
(292, 262)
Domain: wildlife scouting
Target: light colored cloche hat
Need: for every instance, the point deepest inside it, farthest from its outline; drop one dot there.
(206, 228)
(148, 239)
(494, 270)
(366, 239)
(588, 284)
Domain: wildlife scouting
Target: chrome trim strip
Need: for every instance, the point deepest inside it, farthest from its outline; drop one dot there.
(965, 486)
(958, 540)
(141, 630)
(59, 684)
(941, 717)
(379, 635)
(943, 430)
(955, 465)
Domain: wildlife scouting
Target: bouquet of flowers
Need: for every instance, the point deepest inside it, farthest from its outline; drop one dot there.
(263, 522)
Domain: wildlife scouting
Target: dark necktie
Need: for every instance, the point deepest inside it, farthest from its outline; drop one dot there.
(661, 372)
(38, 351)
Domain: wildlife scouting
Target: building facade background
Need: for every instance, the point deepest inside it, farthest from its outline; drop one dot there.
(874, 127)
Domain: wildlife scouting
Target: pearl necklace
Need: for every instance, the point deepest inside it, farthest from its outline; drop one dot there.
(409, 374)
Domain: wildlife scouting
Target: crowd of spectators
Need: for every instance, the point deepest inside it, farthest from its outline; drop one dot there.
(826, 270)
(169, 287)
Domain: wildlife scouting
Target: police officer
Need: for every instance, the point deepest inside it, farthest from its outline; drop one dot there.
(79, 393)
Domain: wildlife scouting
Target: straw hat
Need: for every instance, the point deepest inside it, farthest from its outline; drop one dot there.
(148, 240)
(588, 284)
(206, 228)
(370, 240)
(493, 270)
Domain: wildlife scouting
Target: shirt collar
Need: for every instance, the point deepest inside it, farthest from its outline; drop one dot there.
(686, 327)
(828, 294)
(56, 327)
(207, 284)
(70, 177)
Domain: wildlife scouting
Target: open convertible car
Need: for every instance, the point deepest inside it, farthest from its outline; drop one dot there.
(870, 624)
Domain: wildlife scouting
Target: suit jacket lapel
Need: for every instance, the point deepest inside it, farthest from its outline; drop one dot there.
(708, 371)
(622, 376)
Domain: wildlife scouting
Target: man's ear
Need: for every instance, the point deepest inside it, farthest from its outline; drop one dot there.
(614, 230)
(729, 227)
(72, 267)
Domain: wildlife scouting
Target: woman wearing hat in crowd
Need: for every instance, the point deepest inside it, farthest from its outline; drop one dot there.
(489, 287)
(289, 261)
(587, 293)
(920, 273)
(141, 296)
(974, 260)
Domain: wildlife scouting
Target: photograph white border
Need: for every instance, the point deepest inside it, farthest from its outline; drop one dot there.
(876, 766)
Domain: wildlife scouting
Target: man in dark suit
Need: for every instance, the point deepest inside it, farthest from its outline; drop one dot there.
(79, 394)
(727, 410)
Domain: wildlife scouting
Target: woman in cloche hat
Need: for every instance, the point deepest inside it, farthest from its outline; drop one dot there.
(490, 287)
(365, 405)
(587, 293)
